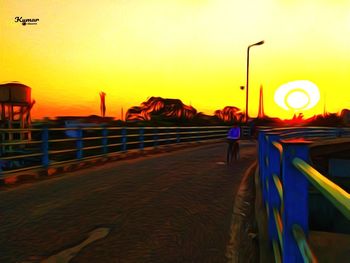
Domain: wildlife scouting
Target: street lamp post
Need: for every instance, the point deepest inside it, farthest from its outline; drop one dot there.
(247, 83)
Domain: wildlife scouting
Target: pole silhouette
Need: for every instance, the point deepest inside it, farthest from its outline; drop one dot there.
(103, 103)
(261, 113)
(247, 82)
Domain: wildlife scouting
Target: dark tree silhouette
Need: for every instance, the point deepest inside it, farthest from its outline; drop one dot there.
(161, 108)
(229, 114)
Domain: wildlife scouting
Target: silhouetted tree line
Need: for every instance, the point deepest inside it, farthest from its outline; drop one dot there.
(157, 110)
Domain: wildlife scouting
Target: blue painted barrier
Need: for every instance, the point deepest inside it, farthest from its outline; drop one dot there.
(141, 138)
(295, 199)
(285, 188)
(79, 143)
(105, 140)
(155, 137)
(45, 147)
(124, 139)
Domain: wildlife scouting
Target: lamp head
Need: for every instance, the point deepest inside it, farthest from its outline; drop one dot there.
(259, 43)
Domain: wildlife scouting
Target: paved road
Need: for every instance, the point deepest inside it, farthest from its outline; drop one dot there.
(174, 207)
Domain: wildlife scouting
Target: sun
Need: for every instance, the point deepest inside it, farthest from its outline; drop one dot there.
(297, 95)
(297, 99)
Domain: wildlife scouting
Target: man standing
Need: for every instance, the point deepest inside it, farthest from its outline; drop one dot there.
(233, 136)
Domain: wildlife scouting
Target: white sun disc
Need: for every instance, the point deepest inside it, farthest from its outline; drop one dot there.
(297, 95)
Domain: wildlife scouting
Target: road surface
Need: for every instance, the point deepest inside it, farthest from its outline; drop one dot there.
(173, 207)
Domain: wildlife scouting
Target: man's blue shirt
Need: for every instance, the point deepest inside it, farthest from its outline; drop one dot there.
(234, 133)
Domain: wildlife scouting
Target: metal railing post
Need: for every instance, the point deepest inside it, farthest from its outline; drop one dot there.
(79, 143)
(178, 135)
(141, 138)
(167, 136)
(273, 198)
(295, 198)
(124, 139)
(45, 147)
(172, 137)
(105, 140)
(155, 137)
(262, 162)
(2, 151)
(339, 132)
(246, 131)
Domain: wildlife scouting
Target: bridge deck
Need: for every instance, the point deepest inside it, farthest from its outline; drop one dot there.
(174, 207)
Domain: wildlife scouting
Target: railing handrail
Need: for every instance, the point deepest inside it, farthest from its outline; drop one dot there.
(333, 192)
(306, 252)
(77, 127)
(93, 140)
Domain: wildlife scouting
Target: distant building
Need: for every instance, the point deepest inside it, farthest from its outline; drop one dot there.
(261, 113)
(345, 115)
(15, 107)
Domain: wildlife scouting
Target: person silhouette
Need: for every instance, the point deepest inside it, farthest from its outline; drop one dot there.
(233, 136)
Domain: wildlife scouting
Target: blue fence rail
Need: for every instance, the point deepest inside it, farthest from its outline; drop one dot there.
(53, 146)
(285, 174)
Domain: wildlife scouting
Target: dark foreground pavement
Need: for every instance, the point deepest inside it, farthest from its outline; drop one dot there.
(175, 207)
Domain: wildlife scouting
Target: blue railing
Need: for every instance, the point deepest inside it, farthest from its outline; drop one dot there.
(285, 173)
(54, 146)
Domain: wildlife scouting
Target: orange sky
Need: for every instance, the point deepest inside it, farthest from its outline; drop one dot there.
(191, 50)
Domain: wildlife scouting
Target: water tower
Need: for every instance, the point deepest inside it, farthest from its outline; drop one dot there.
(15, 106)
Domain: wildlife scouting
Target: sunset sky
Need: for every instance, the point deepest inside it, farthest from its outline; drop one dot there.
(191, 50)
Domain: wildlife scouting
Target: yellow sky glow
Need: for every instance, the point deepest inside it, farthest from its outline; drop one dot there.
(191, 50)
